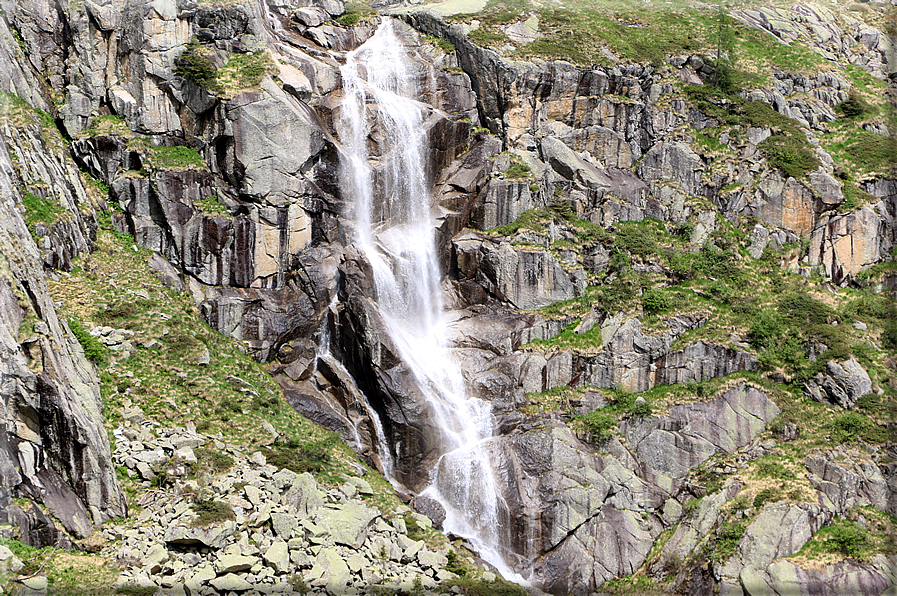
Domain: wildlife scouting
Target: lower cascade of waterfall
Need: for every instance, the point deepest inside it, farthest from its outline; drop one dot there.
(394, 228)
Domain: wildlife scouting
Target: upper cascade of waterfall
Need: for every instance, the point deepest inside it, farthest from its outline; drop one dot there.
(385, 147)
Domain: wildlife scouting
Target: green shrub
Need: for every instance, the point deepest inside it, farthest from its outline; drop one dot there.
(599, 425)
(766, 495)
(767, 467)
(212, 460)
(210, 511)
(636, 239)
(847, 538)
(803, 309)
(765, 328)
(727, 538)
(656, 301)
(443, 44)
(181, 342)
(310, 457)
(851, 426)
(194, 66)
(517, 171)
(853, 106)
(790, 154)
(889, 335)
(641, 409)
(93, 349)
(456, 564)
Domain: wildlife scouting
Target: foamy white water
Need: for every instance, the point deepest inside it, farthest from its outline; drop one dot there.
(395, 229)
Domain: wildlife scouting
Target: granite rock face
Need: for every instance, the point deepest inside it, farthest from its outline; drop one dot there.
(54, 449)
(842, 383)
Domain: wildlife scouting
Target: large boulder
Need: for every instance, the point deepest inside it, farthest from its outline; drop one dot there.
(841, 383)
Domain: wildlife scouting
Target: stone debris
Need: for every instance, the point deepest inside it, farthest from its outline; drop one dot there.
(286, 528)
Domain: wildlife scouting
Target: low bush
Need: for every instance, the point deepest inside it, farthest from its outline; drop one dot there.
(853, 106)
(212, 460)
(846, 538)
(93, 349)
(210, 511)
(789, 154)
(727, 538)
(196, 67)
(656, 301)
(599, 425)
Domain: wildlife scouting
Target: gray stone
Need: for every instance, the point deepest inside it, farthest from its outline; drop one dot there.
(284, 525)
(233, 563)
(330, 570)
(348, 524)
(842, 383)
(278, 557)
(230, 583)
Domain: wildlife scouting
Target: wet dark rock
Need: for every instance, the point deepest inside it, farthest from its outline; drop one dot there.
(432, 508)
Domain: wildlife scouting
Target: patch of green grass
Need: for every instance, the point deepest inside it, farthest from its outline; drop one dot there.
(106, 125)
(355, 13)
(787, 149)
(477, 587)
(212, 206)
(443, 44)
(484, 37)
(245, 71)
(589, 341)
(41, 210)
(866, 153)
(577, 34)
(176, 158)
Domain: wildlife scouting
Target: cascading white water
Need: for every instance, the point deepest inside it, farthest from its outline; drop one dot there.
(394, 227)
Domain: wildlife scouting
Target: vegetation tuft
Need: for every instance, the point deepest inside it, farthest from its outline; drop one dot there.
(41, 210)
(210, 511)
(93, 349)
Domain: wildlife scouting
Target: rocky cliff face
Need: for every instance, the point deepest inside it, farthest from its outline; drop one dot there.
(236, 187)
(55, 450)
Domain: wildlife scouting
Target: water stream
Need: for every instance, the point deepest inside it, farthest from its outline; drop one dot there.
(395, 229)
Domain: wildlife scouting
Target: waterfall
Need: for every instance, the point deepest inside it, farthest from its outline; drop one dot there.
(395, 228)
